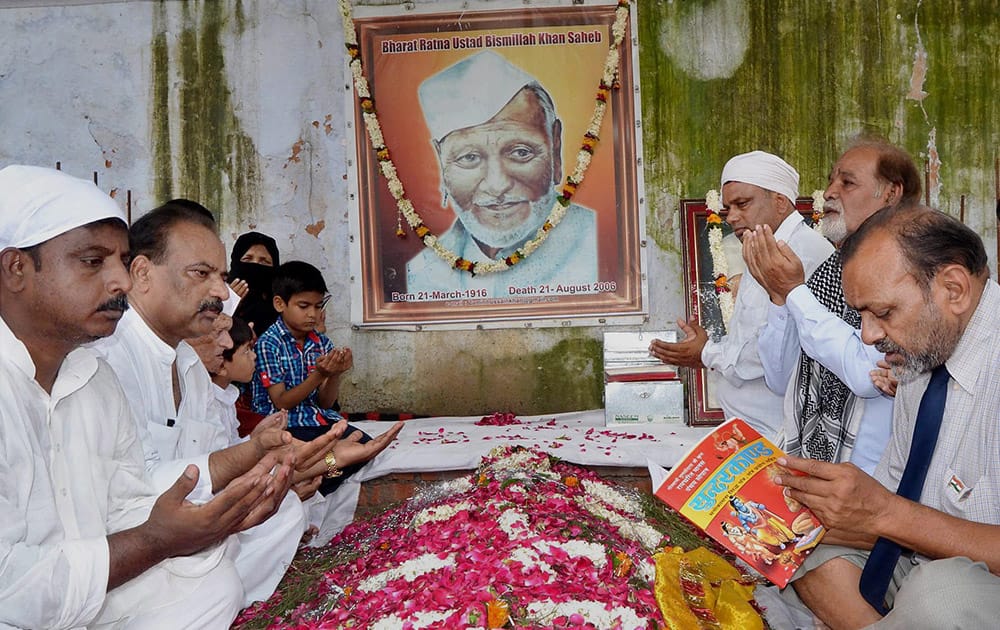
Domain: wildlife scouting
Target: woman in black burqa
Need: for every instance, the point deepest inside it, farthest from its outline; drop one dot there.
(253, 261)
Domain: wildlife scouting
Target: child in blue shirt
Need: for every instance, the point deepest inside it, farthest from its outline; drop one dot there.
(299, 369)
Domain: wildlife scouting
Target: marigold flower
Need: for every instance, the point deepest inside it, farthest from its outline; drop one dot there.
(714, 219)
(422, 230)
(497, 613)
(400, 232)
(571, 481)
(721, 281)
(622, 563)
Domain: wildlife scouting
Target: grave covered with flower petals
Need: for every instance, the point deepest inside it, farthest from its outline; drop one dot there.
(525, 541)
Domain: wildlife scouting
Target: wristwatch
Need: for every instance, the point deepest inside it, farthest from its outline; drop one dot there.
(332, 472)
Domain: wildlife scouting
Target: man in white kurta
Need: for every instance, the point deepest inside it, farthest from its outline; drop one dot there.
(812, 345)
(758, 189)
(735, 356)
(77, 513)
(191, 430)
(72, 473)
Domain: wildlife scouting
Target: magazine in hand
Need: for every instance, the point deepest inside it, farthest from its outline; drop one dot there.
(725, 486)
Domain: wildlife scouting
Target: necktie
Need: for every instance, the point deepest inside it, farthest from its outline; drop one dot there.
(882, 561)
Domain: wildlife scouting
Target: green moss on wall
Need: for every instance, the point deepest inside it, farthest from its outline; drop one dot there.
(807, 78)
(569, 376)
(215, 161)
(160, 110)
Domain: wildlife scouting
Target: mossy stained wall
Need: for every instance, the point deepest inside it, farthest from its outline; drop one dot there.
(242, 104)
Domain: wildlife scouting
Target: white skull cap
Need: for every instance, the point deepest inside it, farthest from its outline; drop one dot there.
(762, 169)
(38, 204)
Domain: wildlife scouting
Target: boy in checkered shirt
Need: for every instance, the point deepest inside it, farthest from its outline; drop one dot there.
(299, 369)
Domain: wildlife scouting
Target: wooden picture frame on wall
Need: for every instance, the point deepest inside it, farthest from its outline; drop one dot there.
(703, 304)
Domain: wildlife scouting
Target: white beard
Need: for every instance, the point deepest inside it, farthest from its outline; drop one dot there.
(835, 227)
(502, 239)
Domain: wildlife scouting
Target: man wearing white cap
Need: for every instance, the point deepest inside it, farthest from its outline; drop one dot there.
(757, 189)
(499, 144)
(84, 540)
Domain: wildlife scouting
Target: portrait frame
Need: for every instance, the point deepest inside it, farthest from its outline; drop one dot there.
(702, 305)
(611, 188)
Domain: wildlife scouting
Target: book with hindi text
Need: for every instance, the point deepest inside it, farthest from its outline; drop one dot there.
(725, 486)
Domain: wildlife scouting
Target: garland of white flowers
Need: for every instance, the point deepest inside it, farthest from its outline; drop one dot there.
(609, 79)
(818, 210)
(720, 265)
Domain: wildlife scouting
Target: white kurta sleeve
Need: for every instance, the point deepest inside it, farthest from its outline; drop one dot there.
(49, 586)
(778, 346)
(45, 581)
(833, 342)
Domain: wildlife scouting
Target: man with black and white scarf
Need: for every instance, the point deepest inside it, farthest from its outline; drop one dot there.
(811, 347)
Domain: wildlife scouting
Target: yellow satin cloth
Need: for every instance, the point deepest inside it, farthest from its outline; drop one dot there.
(698, 590)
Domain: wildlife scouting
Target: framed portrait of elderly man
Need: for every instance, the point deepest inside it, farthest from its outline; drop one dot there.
(502, 184)
(703, 296)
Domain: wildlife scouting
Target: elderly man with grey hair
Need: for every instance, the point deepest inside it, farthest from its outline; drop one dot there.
(499, 144)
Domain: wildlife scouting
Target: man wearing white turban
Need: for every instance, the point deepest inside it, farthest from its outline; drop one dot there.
(758, 189)
(499, 143)
(84, 540)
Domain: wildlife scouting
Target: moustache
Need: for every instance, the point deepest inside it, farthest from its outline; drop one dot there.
(885, 346)
(117, 303)
(832, 204)
(214, 304)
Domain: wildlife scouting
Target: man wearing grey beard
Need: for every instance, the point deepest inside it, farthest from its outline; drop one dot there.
(811, 347)
(930, 515)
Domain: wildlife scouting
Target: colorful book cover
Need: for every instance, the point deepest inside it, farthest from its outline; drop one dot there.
(725, 486)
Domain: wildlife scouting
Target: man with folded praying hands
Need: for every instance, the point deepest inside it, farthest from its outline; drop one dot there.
(84, 539)
(178, 272)
(757, 189)
(811, 348)
(918, 544)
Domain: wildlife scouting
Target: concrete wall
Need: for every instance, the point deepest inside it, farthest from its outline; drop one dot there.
(239, 104)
